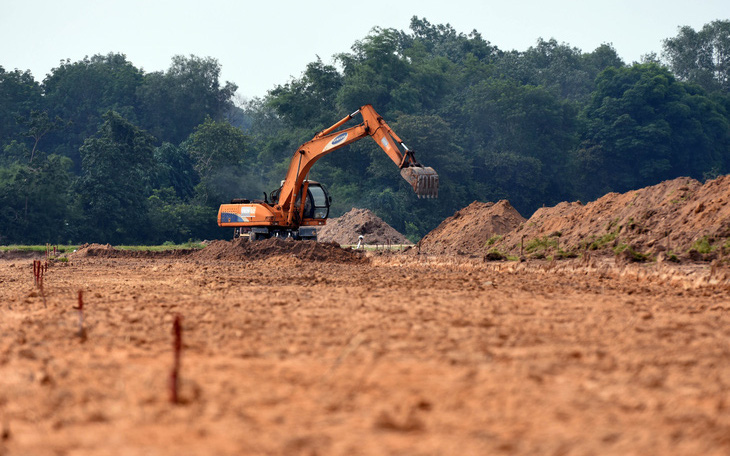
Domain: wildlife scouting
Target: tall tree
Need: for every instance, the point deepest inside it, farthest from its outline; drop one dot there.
(175, 169)
(218, 150)
(174, 102)
(701, 57)
(644, 126)
(38, 125)
(81, 92)
(19, 95)
(527, 130)
(374, 70)
(311, 98)
(114, 185)
(34, 199)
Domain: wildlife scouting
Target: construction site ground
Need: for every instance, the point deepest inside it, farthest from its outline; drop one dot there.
(388, 354)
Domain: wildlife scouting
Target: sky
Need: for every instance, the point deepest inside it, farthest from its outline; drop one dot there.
(262, 44)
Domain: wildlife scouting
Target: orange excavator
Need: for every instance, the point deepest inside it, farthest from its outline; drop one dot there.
(299, 206)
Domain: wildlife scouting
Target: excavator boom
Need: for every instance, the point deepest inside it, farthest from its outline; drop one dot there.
(423, 180)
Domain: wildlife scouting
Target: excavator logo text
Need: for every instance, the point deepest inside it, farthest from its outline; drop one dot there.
(335, 141)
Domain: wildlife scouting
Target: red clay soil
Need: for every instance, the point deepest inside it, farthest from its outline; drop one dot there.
(468, 231)
(347, 229)
(400, 355)
(676, 217)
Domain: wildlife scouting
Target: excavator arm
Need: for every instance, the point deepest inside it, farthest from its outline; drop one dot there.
(424, 180)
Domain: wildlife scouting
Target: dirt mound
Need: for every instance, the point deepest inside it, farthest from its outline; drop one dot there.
(351, 225)
(243, 249)
(680, 217)
(91, 250)
(471, 229)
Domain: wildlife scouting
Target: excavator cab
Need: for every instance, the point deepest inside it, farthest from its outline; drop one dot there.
(317, 203)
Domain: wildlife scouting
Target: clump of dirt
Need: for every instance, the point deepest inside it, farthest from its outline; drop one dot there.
(681, 218)
(471, 230)
(360, 222)
(243, 249)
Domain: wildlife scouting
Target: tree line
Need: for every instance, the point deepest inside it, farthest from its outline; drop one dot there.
(100, 151)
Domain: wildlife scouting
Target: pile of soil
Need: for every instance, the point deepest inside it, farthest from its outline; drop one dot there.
(360, 222)
(92, 250)
(680, 217)
(243, 249)
(470, 230)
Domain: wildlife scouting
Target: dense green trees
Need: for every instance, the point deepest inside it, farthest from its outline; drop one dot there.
(644, 126)
(702, 57)
(19, 95)
(172, 103)
(34, 200)
(81, 92)
(102, 151)
(114, 182)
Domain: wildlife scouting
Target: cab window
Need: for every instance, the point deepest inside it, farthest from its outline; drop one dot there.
(320, 202)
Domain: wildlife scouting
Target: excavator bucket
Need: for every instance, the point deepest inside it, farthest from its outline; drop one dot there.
(423, 179)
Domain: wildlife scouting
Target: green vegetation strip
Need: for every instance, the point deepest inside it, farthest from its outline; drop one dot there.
(36, 248)
(71, 248)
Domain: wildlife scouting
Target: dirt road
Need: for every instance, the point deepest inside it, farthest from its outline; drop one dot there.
(398, 355)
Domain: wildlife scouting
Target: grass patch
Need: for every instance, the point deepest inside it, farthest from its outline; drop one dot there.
(36, 248)
(161, 248)
(630, 253)
(374, 247)
(703, 245)
(71, 248)
(541, 244)
(562, 254)
(602, 241)
(493, 240)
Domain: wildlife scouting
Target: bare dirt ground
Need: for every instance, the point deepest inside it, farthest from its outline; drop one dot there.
(391, 354)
